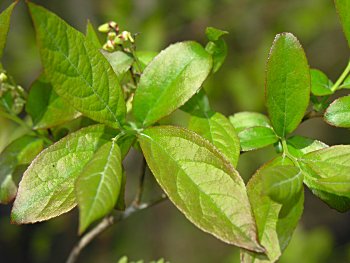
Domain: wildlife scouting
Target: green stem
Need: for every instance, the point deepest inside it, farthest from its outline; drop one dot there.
(341, 78)
(286, 152)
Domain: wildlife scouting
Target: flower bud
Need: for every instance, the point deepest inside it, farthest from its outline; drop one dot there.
(104, 28)
(3, 77)
(109, 46)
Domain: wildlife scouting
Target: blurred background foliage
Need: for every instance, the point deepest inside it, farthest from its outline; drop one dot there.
(323, 235)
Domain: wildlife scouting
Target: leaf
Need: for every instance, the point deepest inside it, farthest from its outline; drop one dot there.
(19, 152)
(46, 108)
(91, 35)
(170, 80)
(217, 129)
(287, 84)
(120, 61)
(4, 26)
(98, 186)
(283, 183)
(198, 105)
(298, 146)
(246, 119)
(145, 57)
(256, 137)
(338, 184)
(276, 222)
(77, 71)
(216, 46)
(346, 83)
(47, 186)
(320, 84)
(320, 166)
(338, 113)
(343, 8)
(201, 183)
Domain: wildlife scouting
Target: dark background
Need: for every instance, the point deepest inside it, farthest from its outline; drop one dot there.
(162, 231)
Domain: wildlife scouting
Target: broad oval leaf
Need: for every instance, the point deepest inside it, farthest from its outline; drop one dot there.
(256, 137)
(343, 8)
(275, 222)
(246, 119)
(338, 113)
(19, 152)
(201, 183)
(320, 83)
(46, 108)
(47, 186)
(287, 84)
(98, 185)
(170, 80)
(217, 129)
(298, 146)
(5, 17)
(77, 70)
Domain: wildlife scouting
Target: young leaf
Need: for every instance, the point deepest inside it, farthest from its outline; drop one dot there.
(298, 146)
(287, 84)
(4, 26)
(282, 183)
(246, 119)
(120, 61)
(20, 152)
(217, 129)
(256, 137)
(343, 8)
(198, 105)
(98, 185)
(145, 57)
(338, 113)
(170, 80)
(91, 35)
(201, 183)
(46, 108)
(274, 228)
(47, 186)
(216, 46)
(77, 70)
(320, 84)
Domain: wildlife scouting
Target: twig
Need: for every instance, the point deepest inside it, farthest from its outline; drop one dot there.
(105, 223)
(311, 114)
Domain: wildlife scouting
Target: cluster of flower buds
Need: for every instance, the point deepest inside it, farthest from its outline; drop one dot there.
(114, 37)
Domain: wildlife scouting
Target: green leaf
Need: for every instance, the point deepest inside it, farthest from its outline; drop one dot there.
(216, 46)
(4, 26)
(338, 113)
(256, 137)
(287, 84)
(346, 83)
(47, 186)
(98, 186)
(170, 80)
(120, 61)
(276, 222)
(91, 35)
(298, 146)
(198, 105)
(217, 129)
(323, 166)
(202, 184)
(77, 70)
(20, 152)
(320, 84)
(283, 183)
(343, 8)
(246, 119)
(46, 108)
(145, 57)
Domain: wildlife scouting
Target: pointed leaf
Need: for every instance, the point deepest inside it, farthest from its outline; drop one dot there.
(198, 105)
(338, 113)
(298, 146)
(246, 119)
(287, 84)
(276, 222)
(343, 8)
(91, 35)
(256, 137)
(77, 71)
(20, 152)
(201, 183)
(320, 84)
(217, 129)
(119, 61)
(4, 26)
(216, 47)
(47, 186)
(46, 108)
(170, 80)
(98, 185)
